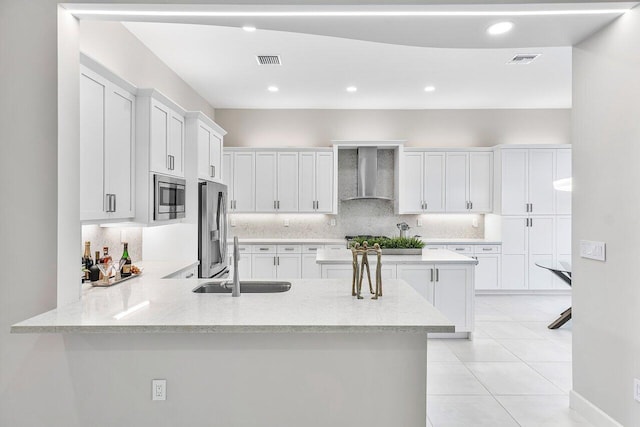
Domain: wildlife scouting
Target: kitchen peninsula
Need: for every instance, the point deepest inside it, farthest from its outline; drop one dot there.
(255, 351)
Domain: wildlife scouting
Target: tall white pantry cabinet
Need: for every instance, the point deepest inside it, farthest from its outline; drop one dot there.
(535, 222)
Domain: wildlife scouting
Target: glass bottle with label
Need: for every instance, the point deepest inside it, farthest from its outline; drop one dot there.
(126, 267)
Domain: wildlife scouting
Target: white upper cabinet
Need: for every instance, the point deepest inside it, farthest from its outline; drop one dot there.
(526, 183)
(423, 189)
(481, 181)
(563, 171)
(438, 181)
(316, 175)
(164, 133)
(209, 140)
(107, 127)
(276, 181)
(243, 179)
(457, 182)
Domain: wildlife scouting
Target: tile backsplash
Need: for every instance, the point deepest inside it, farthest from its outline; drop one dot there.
(358, 216)
(111, 237)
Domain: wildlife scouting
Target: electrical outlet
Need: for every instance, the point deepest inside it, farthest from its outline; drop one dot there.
(286, 222)
(474, 222)
(158, 389)
(123, 236)
(333, 222)
(636, 389)
(233, 222)
(419, 222)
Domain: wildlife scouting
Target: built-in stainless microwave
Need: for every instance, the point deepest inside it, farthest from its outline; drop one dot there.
(169, 197)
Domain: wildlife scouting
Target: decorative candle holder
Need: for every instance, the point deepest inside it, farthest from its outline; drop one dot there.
(360, 267)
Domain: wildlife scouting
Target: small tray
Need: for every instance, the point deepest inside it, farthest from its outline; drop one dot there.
(113, 281)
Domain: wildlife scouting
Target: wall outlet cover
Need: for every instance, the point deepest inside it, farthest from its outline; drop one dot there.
(419, 222)
(333, 222)
(636, 389)
(592, 250)
(286, 222)
(233, 222)
(474, 222)
(158, 389)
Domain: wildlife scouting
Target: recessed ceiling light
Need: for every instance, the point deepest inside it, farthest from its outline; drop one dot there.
(500, 28)
(249, 28)
(352, 89)
(273, 88)
(429, 88)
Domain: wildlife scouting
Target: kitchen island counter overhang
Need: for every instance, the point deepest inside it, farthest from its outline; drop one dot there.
(312, 356)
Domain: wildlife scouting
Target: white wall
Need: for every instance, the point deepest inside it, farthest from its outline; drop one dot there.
(421, 128)
(112, 45)
(606, 202)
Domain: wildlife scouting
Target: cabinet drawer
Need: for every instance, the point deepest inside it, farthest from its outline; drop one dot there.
(244, 249)
(263, 249)
(435, 247)
(289, 249)
(486, 249)
(461, 249)
(335, 247)
(311, 249)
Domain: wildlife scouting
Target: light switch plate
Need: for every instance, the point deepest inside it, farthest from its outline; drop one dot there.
(592, 250)
(233, 222)
(419, 222)
(333, 222)
(636, 389)
(158, 389)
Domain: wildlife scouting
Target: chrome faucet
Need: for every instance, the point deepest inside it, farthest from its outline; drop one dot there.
(235, 284)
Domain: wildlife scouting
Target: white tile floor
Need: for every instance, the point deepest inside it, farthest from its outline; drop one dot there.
(515, 372)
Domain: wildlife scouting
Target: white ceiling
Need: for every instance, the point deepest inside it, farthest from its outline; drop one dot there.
(389, 52)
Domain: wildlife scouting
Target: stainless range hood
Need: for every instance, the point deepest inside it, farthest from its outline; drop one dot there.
(367, 175)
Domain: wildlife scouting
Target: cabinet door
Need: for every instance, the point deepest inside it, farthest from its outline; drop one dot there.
(289, 266)
(514, 182)
(310, 268)
(215, 154)
(204, 154)
(307, 182)
(266, 181)
(287, 194)
(160, 119)
(324, 182)
(487, 274)
(244, 182)
(175, 146)
(411, 192)
(227, 176)
(456, 183)
(563, 171)
(92, 146)
(263, 266)
(434, 182)
(420, 277)
(119, 158)
(244, 267)
(515, 243)
(563, 246)
(541, 248)
(481, 181)
(453, 295)
(541, 174)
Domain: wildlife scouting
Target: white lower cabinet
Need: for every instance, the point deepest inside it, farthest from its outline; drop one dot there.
(449, 287)
(310, 268)
(487, 275)
(276, 262)
(288, 266)
(263, 266)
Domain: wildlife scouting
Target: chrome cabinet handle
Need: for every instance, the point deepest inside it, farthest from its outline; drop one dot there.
(264, 249)
(274, 260)
(437, 274)
(189, 276)
(487, 249)
(313, 249)
(431, 270)
(278, 204)
(288, 249)
(459, 249)
(114, 203)
(470, 205)
(274, 204)
(107, 201)
(531, 222)
(531, 204)
(278, 258)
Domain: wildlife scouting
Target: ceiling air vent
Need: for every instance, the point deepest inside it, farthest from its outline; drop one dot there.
(523, 58)
(268, 60)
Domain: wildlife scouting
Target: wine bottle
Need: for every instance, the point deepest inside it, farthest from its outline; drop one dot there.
(126, 267)
(94, 271)
(86, 259)
(99, 261)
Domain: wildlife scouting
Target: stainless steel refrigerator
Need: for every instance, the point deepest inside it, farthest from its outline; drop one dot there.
(212, 230)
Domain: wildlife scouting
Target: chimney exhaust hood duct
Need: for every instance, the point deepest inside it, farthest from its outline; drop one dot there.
(367, 175)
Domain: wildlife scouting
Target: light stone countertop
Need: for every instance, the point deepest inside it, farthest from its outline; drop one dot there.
(316, 306)
(284, 241)
(461, 241)
(438, 256)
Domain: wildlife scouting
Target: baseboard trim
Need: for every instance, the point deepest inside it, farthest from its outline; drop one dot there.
(591, 412)
(522, 292)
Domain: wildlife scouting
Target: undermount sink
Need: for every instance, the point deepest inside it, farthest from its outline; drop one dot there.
(248, 287)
